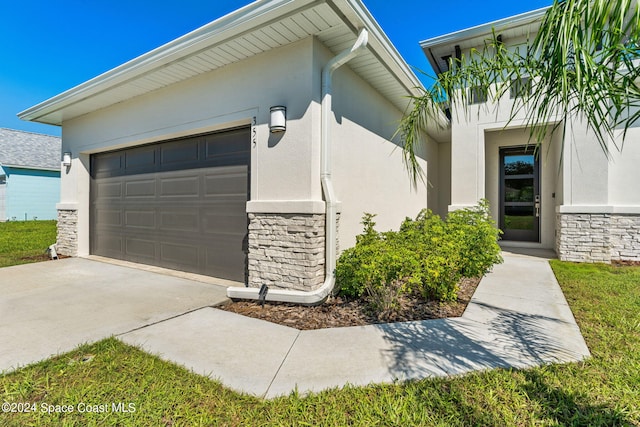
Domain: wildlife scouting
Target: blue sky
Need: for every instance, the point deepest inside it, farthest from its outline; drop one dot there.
(50, 46)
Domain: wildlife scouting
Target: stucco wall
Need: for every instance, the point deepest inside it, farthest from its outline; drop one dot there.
(624, 170)
(281, 164)
(368, 172)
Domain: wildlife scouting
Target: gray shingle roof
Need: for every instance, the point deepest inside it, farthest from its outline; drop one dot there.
(29, 150)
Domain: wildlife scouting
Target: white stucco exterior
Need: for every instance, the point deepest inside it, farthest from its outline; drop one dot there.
(581, 188)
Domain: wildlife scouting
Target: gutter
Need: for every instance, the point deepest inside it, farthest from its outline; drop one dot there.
(317, 296)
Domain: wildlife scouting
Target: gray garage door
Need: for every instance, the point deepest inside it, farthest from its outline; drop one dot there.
(178, 204)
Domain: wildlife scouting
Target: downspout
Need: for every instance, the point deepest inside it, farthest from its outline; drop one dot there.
(318, 295)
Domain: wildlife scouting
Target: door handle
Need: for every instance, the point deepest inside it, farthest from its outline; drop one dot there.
(537, 205)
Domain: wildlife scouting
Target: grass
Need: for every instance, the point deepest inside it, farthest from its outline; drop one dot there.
(601, 391)
(23, 242)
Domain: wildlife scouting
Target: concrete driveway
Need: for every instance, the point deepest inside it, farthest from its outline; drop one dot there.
(52, 307)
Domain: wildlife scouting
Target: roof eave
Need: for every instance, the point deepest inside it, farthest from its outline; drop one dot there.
(160, 56)
(457, 37)
(251, 16)
(30, 167)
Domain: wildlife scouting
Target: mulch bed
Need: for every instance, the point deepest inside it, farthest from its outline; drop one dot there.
(339, 312)
(625, 263)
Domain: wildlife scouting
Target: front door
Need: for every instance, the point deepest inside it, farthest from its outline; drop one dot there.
(520, 194)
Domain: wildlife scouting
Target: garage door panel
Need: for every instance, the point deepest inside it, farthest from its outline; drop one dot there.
(223, 146)
(181, 153)
(142, 159)
(108, 217)
(223, 224)
(140, 219)
(231, 181)
(180, 187)
(178, 204)
(232, 264)
(107, 164)
(140, 188)
(180, 254)
(109, 190)
(143, 248)
(179, 221)
(111, 245)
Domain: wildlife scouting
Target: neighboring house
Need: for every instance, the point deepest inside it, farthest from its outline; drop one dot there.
(571, 198)
(235, 151)
(29, 175)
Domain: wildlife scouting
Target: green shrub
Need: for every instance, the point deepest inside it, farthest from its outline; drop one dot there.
(435, 254)
(478, 237)
(427, 255)
(373, 263)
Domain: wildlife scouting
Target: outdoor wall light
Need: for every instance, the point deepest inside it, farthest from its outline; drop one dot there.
(278, 122)
(66, 159)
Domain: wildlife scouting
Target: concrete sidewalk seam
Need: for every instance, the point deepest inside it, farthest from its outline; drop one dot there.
(162, 321)
(284, 359)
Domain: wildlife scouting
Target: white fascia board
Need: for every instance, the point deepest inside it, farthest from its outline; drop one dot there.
(235, 22)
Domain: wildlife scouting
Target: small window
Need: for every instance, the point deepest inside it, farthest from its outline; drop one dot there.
(3, 179)
(520, 87)
(477, 94)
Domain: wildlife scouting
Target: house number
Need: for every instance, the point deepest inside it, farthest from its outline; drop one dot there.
(254, 132)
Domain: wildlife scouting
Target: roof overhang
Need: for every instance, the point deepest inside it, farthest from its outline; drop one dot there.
(521, 25)
(251, 30)
(29, 167)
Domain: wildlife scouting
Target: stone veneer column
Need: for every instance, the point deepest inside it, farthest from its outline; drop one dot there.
(588, 237)
(625, 237)
(67, 240)
(286, 251)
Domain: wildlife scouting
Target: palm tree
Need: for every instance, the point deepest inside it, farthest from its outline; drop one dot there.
(584, 62)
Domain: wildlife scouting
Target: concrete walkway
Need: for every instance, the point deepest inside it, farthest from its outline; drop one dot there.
(517, 318)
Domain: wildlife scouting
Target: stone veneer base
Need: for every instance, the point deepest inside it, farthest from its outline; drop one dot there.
(67, 240)
(286, 251)
(589, 237)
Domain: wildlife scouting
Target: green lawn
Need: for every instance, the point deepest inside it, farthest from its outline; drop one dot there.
(602, 391)
(22, 242)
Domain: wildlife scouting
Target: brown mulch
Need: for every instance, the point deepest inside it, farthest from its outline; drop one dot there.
(339, 312)
(625, 263)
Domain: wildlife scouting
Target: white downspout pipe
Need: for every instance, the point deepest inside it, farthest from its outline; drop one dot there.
(318, 295)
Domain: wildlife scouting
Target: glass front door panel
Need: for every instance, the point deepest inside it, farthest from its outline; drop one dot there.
(519, 217)
(519, 187)
(519, 164)
(519, 190)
